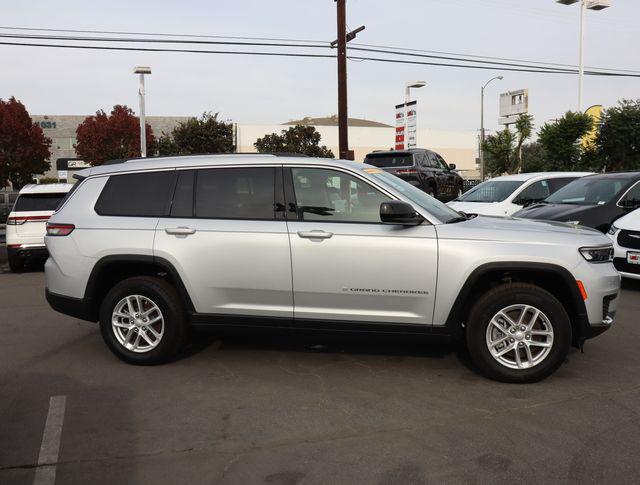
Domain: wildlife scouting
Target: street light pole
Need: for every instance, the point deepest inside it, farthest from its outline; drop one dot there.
(500, 78)
(142, 70)
(407, 100)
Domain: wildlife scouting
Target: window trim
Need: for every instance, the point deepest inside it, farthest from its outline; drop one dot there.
(633, 186)
(290, 192)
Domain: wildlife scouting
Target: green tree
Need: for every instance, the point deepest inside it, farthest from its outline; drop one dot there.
(24, 149)
(524, 130)
(561, 141)
(198, 135)
(297, 139)
(499, 152)
(619, 139)
(534, 158)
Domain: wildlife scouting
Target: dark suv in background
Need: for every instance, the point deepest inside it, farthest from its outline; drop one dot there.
(422, 168)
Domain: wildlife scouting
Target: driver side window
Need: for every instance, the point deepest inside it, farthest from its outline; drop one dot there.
(333, 196)
(536, 192)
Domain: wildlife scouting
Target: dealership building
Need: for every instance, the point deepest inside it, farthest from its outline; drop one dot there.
(365, 136)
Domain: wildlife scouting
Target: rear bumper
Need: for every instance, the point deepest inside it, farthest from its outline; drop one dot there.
(28, 251)
(74, 307)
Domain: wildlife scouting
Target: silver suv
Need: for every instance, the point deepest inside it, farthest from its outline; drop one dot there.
(152, 247)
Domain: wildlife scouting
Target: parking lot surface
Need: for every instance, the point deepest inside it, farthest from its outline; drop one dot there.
(308, 409)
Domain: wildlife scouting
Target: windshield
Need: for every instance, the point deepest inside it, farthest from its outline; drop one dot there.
(588, 191)
(384, 160)
(491, 191)
(38, 202)
(415, 195)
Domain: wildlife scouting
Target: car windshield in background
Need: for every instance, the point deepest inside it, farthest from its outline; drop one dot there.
(418, 197)
(386, 160)
(38, 202)
(588, 191)
(491, 191)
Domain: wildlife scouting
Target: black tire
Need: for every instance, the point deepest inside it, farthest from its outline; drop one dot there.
(16, 264)
(501, 297)
(431, 191)
(169, 303)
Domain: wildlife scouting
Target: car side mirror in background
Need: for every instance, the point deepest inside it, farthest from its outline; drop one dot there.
(452, 166)
(398, 212)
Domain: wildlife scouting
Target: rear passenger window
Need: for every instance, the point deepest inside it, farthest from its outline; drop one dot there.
(136, 194)
(235, 193)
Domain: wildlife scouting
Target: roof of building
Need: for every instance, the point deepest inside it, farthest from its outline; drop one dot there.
(333, 121)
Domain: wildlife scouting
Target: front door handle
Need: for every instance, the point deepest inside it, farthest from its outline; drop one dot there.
(180, 231)
(316, 234)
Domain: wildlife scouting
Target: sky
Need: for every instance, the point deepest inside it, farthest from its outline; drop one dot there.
(271, 90)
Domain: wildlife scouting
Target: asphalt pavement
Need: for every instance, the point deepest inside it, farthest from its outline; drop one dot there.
(305, 409)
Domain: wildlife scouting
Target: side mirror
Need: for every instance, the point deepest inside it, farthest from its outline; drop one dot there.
(398, 212)
(452, 166)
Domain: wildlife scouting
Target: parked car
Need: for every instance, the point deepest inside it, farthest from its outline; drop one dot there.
(503, 196)
(26, 224)
(594, 201)
(625, 234)
(151, 247)
(422, 168)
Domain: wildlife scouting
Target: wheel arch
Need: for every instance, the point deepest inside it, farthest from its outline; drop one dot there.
(110, 270)
(553, 278)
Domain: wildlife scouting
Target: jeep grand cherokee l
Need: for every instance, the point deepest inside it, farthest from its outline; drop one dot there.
(153, 246)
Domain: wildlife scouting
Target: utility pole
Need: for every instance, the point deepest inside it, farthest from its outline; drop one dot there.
(343, 109)
(142, 70)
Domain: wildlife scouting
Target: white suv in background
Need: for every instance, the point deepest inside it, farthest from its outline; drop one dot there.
(27, 221)
(625, 233)
(504, 196)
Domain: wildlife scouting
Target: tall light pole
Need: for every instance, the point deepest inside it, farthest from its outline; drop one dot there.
(142, 70)
(584, 5)
(409, 85)
(499, 78)
(407, 100)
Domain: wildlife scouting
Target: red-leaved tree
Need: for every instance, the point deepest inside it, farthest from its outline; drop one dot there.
(24, 149)
(107, 137)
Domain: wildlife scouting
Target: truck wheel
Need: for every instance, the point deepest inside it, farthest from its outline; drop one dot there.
(518, 332)
(431, 191)
(142, 321)
(16, 264)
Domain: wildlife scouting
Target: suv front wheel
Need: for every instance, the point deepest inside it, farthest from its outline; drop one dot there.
(142, 321)
(518, 332)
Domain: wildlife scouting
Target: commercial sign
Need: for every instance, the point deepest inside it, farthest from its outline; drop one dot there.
(512, 105)
(406, 125)
(400, 128)
(595, 112)
(77, 164)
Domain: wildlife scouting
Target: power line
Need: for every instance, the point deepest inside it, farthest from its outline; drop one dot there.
(307, 55)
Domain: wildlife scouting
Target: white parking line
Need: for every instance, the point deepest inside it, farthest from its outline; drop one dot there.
(48, 457)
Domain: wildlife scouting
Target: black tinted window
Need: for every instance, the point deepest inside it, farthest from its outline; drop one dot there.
(557, 184)
(389, 160)
(235, 193)
(137, 194)
(182, 205)
(38, 202)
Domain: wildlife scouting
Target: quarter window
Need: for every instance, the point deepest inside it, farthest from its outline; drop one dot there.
(632, 197)
(536, 192)
(136, 194)
(235, 193)
(332, 196)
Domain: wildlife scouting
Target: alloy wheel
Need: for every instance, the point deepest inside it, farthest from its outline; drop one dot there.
(137, 323)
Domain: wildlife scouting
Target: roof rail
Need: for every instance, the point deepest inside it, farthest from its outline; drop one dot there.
(273, 154)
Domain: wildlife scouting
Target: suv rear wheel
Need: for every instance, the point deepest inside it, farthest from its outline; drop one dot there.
(16, 264)
(142, 321)
(518, 332)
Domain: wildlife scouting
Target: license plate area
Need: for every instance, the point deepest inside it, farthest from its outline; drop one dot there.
(633, 257)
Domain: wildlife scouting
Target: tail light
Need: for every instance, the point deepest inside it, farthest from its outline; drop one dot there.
(19, 220)
(407, 172)
(59, 229)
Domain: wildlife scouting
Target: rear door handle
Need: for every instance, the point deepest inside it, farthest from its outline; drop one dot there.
(317, 234)
(180, 231)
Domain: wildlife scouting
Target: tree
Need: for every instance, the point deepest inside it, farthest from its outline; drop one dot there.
(524, 129)
(107, 137)
(499, 152)
(198, 135)
(297, 139)
(561, 141)
(24, 149)
(619, 138)
(534, 158)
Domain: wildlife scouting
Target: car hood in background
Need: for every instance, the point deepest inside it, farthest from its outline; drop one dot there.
(487, 208)
(630, 222)
(562, 212)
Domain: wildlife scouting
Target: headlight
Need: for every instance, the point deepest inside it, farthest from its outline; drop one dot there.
(573, 222)
(612, 230)
(600, 254)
